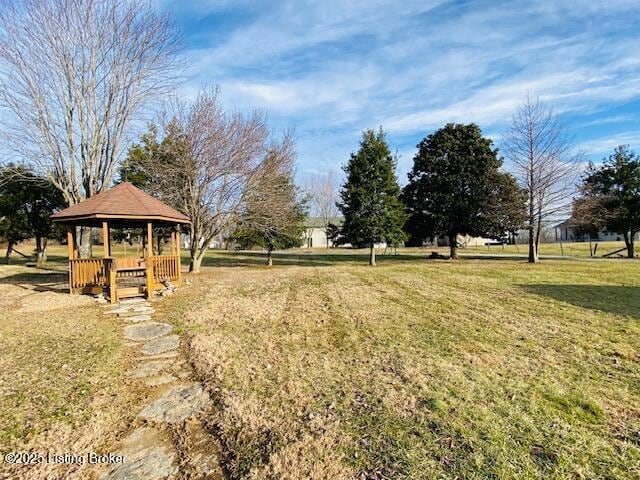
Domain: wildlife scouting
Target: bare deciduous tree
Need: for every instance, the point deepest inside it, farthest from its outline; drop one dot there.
(274, 214)
(223, 157)
(323, 196)
(73, 76)
(539, 148)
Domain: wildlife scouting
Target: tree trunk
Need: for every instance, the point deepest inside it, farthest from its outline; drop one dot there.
(269, 257)
(159, 243)
(197, 254)
(198, 249)
(533, 258)
(628, 241)
(533, 254)
(194, 266)
(536, 243)
(45, 244)
(8, 254)
(372, 255)
(41, 245)
(84, 242)
(196, 261)
(453, 247)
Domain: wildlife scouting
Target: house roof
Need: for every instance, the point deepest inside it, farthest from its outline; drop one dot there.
(123, 203)
(318, 222)
(569, 222)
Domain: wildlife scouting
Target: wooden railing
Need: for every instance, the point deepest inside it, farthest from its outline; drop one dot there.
(94, 274)
(89, 272)
(165, 267)
(131, 261)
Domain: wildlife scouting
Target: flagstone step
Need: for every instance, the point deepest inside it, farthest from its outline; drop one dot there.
(148, 455)
(150, 368)
(177, 404)
(146, 331)
(161, 345)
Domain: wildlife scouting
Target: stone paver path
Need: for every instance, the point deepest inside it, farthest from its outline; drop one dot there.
(161, 345)
(176, 405)
(146, 331)
(149, 454)
(172, 409)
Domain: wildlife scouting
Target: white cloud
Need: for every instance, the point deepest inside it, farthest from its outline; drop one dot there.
(608, 120)
(334, 68)
(606, 145)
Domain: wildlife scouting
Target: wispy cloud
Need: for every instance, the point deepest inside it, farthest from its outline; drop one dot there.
(614, 119)
(605, 145)
(334, 68)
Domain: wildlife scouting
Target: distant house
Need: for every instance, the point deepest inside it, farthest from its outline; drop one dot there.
(315, 235)
(465, 241)
(569, 231)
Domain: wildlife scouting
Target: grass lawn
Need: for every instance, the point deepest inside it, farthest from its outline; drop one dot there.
(567, 249)
(61, 372)
(323, 367)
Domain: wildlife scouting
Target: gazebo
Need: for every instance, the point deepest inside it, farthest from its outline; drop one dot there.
(123, 206)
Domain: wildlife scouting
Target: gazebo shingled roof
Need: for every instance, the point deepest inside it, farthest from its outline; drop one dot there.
(122, 203)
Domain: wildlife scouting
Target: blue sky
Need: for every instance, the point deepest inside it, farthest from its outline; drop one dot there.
(332, 68)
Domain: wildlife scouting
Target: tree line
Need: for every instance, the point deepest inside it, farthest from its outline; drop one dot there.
(457, 186)
(69, 104)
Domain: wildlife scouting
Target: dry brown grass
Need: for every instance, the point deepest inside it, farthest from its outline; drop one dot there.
(416, 369)
(325, 368)
(61, 374)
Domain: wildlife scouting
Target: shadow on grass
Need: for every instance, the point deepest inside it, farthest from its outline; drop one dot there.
(47, 281)
(220, 258)
(52, 261)
(620, 300)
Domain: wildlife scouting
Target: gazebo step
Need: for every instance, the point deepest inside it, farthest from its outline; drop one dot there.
(128, 292)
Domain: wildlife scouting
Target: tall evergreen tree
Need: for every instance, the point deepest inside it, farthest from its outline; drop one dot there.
(611, 196)
(145, 160)
(456, 188)
(143, 166)
(370, 197)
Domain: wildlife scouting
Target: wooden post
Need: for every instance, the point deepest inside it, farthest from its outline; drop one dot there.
(105, 240)
(149, 260)
(150, 280)
(178, 254)
(173, 242)
(71, 242)
(71, 251)
(113, 285)
(76, 254)
(149, 239)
